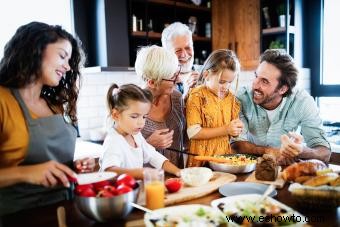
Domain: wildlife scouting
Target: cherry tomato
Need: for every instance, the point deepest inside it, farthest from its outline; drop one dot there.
(173, 184)
(79, 188)
(88, 192)
(101, 184)
(111, 189)
(105, 193)
(122, 189)
(127, 180)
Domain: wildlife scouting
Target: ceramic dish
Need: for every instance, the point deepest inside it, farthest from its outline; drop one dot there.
(239, 188)
(238, 163)
(185, 216)
(196, 176)
(247, 208)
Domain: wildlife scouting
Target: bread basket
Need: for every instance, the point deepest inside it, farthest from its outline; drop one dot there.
(316, 197)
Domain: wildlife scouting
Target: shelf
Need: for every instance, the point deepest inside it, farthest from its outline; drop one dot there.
(180, 5)
(156, 35)
(277, 30)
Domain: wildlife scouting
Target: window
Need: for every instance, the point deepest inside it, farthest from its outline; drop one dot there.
(15, 13)
(331, 38)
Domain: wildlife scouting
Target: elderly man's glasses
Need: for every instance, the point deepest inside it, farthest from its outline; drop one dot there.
(174, 78)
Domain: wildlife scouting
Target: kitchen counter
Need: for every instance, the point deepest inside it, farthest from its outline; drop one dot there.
(98, 69)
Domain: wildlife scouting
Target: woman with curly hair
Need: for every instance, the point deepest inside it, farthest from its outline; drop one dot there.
(39, 75)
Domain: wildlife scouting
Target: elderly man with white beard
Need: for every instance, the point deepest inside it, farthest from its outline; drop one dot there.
(177, 37)
(273, 109)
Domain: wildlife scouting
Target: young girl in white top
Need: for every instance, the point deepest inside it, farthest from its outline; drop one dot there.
(125, 149)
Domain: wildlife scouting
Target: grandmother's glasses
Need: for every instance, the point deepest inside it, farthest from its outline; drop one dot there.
(174, 78)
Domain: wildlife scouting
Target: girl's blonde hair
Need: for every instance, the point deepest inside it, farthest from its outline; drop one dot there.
(156, 63)
(220, 60)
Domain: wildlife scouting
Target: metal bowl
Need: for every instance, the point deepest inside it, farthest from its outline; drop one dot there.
(106, 209)
(233, 168)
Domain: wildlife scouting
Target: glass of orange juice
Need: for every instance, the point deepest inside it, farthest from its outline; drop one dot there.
(154, 188)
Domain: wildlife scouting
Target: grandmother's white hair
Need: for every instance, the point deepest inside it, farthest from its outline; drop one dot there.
(173, 30)
(156, 63)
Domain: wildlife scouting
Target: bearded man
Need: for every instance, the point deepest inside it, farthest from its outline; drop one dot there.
(273, 110)
(177, 38)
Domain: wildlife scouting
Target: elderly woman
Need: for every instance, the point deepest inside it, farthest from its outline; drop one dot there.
(165, 124)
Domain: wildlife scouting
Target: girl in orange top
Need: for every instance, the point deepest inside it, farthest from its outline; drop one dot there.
(211, 109)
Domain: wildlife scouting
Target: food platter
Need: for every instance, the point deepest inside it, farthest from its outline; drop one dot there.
(247, 207)
(185, 215)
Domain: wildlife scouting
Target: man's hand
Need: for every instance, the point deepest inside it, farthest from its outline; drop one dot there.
(48, 174)
(161, 138)
(235, 127)
(291, 146)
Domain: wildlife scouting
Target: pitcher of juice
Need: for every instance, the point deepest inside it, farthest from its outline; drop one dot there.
(154, 188)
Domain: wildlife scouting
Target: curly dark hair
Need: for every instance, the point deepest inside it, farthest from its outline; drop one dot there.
(284, 62)
(22, 61)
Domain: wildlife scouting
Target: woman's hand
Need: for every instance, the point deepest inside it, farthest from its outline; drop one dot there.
(85, 165)
(161, 138)
(48, 174)
(235, 127)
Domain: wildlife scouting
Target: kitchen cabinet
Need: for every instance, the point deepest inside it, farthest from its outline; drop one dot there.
(236, 26)
(281, 26)
(145, 26)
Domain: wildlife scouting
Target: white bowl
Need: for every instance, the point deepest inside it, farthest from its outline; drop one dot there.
(196, 176)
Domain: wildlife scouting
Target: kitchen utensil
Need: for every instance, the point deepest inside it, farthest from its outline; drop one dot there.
(61, 216)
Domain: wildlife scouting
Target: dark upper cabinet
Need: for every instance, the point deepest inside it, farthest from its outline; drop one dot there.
(113, 30)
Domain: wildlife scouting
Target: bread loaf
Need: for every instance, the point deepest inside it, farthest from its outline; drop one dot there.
(307, 168)
(266, 168)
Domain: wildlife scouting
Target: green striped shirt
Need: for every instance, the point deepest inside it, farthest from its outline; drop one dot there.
(299, 111)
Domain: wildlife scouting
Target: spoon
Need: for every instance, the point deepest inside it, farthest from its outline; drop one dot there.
(265, 194)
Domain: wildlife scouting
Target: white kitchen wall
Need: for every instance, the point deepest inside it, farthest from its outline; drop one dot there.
(92, 111)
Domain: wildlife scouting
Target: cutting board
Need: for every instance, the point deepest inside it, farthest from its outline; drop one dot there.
(278, 183)
(188, 193)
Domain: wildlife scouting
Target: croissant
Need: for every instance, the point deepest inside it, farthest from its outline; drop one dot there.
(308, 168)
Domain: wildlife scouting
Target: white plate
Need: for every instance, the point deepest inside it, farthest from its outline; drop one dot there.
(231, 203)
(187, 212)
(89, 178)
(239, 188)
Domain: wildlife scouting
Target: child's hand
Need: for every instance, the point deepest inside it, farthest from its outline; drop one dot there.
(161, 138)
(85, 165)
(235, 127)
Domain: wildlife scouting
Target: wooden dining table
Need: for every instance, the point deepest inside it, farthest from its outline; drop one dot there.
(47, 216)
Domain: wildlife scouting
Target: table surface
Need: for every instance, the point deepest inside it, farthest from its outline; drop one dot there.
(47, 216)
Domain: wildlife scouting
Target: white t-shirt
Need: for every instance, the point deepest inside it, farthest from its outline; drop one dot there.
(117, 152)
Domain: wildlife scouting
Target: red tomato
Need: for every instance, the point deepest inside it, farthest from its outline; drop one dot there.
(79, 188)
(173, 184)
(89, 192)
(111, 189)
(105, 193)
(122, 189)
(126, 179)
(101, 184)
